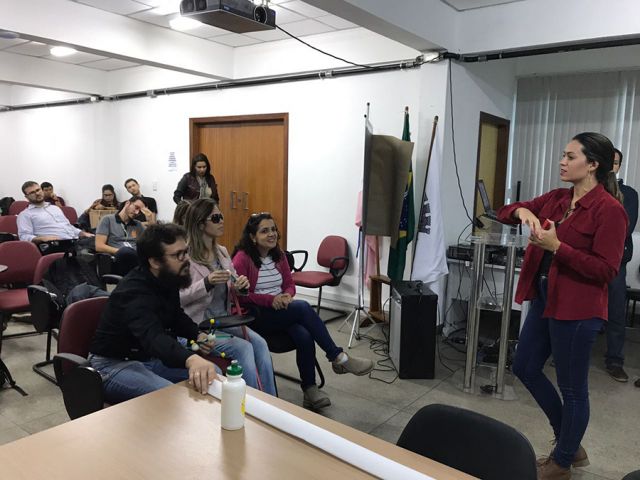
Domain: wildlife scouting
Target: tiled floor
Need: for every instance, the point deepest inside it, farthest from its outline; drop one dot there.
(612, 440)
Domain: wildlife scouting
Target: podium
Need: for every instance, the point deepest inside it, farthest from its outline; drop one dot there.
(511, 241)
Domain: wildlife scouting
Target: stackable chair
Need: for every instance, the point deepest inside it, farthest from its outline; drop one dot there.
(333, 254)
(470, 442)
(46, 310)
(16, 207)
(81, 385)
(21, 259)
(8, 228)
(70, 213)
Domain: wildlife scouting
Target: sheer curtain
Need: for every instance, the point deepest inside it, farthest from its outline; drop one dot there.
(551, 110)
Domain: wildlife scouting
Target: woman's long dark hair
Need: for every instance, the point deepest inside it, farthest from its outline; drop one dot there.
(109, 188)
(248, 246)
(598, 148)
(200, 157)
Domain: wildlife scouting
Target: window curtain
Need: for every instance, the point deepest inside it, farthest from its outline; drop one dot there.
(550, 110)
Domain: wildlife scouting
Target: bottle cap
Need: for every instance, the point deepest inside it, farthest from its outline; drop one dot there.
(235, 369)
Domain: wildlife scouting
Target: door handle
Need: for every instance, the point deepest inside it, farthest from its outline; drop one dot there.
(233, 199)
(246, 200)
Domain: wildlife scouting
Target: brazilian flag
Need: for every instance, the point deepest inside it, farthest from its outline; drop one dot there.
(398, 252)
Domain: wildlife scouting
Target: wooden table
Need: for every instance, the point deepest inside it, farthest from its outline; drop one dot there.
(175, 433)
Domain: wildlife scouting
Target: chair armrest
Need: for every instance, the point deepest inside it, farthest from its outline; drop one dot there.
(76, 360)
(338, 272)
(7, 237)
(304, 262)
(82, 389)
(45, 309)
(111, 278)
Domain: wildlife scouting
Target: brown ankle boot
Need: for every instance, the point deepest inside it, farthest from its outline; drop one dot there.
(550, 470)
(580, 459)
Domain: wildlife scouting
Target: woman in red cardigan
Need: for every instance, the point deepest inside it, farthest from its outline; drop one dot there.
(576, 243)
(271, 295)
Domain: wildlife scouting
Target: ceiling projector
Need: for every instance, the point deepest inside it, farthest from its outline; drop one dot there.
(239, 16)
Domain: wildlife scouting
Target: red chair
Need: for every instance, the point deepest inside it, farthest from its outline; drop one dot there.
(45, 310)
(16, 207)
(333, 254)
(81, 385)
(70, 213)
(9, 224)
(21, 259)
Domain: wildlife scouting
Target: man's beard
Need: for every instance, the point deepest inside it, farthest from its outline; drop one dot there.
(171, 280)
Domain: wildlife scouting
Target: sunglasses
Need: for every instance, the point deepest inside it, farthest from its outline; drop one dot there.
(215, 218)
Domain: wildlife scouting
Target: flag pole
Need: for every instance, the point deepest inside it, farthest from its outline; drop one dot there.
(426, 179)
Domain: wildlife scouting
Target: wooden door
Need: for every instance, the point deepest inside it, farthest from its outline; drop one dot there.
(248, 158)
(491, 167)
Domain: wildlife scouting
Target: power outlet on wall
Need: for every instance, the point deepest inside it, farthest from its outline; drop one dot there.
(154, 185)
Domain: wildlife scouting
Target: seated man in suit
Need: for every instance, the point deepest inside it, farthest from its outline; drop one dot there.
(150, 211)
(41, 221)
(135, 348)
(50, 196)
(117, 234)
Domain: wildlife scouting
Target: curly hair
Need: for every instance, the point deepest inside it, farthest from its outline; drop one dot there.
(247, 244)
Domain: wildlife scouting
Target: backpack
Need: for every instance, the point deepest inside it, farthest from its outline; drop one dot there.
(68, 272)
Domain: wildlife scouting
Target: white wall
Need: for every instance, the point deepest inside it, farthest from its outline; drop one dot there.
(480, 87)
(79, 148)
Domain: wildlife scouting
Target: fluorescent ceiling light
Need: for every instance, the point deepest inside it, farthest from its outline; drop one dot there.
(182, 23)
(62, 51)
(167, 7)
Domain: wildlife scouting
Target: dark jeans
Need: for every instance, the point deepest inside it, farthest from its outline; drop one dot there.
(305, 328)
(570, 342)
(617, 321)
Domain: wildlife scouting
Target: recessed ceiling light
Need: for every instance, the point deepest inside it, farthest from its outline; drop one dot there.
(62, 51)
(182, 23)
(167, 7)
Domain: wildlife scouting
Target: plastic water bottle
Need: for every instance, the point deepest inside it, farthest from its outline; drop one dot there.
(233, 395)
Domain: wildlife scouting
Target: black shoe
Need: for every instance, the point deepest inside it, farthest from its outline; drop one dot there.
(618, 374)
(637, 383)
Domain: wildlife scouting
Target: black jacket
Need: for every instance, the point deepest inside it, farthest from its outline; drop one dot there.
(630, 203)
(189, 189)
(141, 322)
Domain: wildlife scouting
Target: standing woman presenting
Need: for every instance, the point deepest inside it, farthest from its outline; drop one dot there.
(569, 262)
(198, 182)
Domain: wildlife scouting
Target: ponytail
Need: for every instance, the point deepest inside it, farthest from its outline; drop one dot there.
(611, 185)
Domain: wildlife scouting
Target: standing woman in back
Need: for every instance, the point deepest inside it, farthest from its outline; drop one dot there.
(198, 182)
(576, 244)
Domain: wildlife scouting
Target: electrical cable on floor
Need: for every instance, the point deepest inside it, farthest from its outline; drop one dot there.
(381, 348)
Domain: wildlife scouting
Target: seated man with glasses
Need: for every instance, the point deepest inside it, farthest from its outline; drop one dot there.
(42, 221)
(135, 348)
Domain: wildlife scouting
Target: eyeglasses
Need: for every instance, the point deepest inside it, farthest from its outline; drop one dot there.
(33, 192)
(215, 218)
(180, 255)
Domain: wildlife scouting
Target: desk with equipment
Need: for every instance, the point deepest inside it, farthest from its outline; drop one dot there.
(175, 433)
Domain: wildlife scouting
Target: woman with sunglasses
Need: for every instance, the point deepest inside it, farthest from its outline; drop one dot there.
(209, 295)
(271, 294)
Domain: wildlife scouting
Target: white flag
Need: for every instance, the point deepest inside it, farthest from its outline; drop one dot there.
(430, 261)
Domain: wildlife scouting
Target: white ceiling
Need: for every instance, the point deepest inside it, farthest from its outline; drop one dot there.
(295, 16)
(462, 5)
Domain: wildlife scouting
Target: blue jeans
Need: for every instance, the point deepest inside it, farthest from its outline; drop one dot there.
(570, 342)
(301, 322)
(126, 379)
(614, 357)
(252, 353)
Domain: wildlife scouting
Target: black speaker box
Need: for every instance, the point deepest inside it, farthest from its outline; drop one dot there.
(412, 329)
